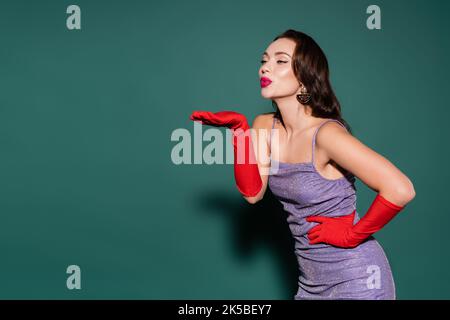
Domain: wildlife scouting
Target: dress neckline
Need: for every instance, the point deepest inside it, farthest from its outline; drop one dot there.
(288, 166)
(292, 163)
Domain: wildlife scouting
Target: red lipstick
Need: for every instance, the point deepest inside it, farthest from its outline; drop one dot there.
(265, 82)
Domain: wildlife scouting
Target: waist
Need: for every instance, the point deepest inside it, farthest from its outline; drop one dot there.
(299, 226)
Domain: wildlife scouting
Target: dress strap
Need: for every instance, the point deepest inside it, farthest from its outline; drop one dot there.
(271, 132)
(315, 133)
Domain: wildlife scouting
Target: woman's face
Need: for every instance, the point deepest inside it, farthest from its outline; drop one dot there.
(276, 68)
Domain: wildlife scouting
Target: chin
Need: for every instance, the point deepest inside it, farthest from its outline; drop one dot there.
(265, 94)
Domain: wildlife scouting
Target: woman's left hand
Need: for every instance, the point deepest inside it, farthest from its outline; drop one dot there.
(335, 231)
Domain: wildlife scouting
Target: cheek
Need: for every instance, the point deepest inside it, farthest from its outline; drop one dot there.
(287, 81)
(287, 75)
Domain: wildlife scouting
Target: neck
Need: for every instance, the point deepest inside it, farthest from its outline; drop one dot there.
(296, 116)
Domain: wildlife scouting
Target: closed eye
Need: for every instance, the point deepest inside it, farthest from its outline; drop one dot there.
(263, 61)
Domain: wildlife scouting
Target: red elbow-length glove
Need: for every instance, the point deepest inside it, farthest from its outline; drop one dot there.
(340, 231)
(246, 172)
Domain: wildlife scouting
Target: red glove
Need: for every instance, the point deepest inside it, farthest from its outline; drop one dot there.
(246, 172)
(340, 231)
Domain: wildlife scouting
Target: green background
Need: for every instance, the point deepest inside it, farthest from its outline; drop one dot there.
(86, 118)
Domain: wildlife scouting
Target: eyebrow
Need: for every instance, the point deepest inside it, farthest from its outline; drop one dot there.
(279, 52)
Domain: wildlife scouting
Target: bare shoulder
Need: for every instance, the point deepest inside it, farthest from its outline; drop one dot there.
(263, 120)
(329, 128)
(372, 168)
(333, 135)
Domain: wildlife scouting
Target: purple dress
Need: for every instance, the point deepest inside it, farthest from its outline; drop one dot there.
(328, 272)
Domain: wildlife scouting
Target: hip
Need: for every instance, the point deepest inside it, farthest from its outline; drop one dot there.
(363, 271)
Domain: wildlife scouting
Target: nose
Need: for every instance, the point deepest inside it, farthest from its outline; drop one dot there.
(264, 69)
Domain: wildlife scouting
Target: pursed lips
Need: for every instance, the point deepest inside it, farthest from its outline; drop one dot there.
(265, 82)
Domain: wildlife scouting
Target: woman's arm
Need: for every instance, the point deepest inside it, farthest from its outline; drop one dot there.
(394, 189)
(373, 169)
(246, 170)
(261, 125)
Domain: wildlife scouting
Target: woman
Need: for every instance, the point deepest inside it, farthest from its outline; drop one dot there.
(315, 174)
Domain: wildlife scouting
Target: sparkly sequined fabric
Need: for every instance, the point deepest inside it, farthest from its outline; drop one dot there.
(325, 271)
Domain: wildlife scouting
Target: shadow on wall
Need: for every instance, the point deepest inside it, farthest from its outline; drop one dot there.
(259, 225)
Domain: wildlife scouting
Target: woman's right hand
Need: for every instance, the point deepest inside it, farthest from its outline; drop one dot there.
(230, 119)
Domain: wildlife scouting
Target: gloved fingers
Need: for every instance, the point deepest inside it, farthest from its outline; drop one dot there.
(316, 228)
(317, 240)
(317, 219)
(219, 119)
(205, 117)
(313, 235)
(197, 116)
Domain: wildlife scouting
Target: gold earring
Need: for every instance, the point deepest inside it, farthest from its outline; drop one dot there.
(304, 97)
